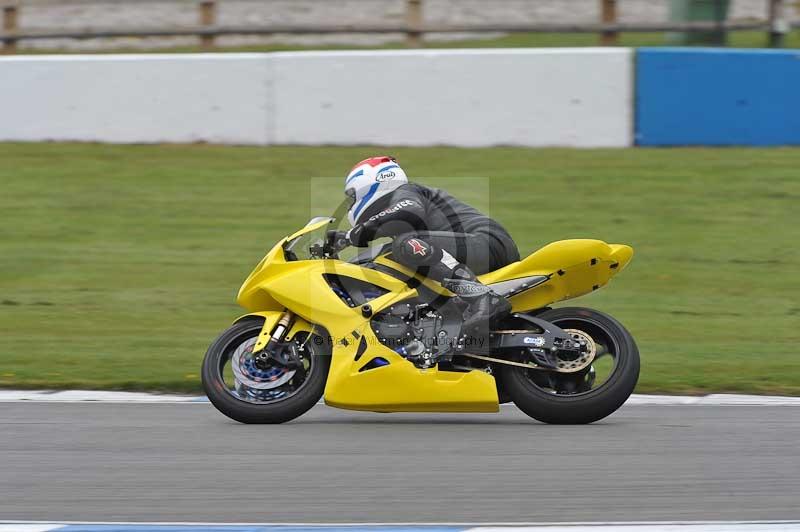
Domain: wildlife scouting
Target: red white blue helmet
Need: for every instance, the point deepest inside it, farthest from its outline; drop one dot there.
(370, 180)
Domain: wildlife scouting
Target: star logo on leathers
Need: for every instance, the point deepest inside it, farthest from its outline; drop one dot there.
(417, 247)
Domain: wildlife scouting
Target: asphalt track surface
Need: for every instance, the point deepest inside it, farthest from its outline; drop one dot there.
(186, 462)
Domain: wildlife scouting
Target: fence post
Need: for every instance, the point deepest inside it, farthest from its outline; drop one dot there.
(778, 26)
(10, 15)
(414, 23)
(208, 15)
(608, 13)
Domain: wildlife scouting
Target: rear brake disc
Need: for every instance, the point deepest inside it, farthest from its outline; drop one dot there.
(584, 359)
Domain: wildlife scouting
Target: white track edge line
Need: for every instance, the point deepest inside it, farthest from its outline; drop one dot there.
(92, 396)
(402, 524)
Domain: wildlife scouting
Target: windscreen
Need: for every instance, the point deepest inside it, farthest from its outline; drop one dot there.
(308, 246)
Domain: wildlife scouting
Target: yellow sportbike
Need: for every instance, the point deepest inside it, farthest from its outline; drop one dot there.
(365, 333)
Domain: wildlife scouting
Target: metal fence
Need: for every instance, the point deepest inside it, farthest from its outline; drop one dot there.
(412, 25)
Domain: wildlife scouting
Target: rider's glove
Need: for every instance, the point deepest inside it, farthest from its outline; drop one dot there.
(358, 237)
(339, 239)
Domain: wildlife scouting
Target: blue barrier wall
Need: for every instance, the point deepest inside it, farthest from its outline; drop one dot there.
(717, 97)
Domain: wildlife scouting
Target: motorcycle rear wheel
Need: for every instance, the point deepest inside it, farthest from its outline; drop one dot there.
(279, 410)
(571, 398)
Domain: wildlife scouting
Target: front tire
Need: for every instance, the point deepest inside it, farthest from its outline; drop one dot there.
(567, 399)
(226, 400)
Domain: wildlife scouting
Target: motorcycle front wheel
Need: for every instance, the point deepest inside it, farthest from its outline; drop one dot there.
(247, 393)
(587, 395)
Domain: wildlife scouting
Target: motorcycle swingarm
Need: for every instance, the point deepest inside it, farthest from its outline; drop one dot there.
(551, 336)
(542, 346)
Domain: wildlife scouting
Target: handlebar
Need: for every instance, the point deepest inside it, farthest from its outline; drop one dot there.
(329, 248)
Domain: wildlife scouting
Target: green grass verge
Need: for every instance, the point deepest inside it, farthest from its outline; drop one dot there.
(737, 39)
(120, 264)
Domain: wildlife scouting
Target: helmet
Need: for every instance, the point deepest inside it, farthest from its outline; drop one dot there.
(370, 180)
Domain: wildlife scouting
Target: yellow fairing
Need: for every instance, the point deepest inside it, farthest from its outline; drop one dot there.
(573, 267)
(397, 387)
(400, 386)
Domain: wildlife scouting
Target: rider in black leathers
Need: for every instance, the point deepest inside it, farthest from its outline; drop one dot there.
(434, 233)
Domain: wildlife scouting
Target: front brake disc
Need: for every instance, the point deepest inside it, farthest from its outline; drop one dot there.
(246, 373)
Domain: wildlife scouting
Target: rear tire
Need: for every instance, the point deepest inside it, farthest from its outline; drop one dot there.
(242, 411)
(583, 407)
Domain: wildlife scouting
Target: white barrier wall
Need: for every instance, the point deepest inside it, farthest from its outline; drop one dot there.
(135, 98)
(565, 97)
(531, 97)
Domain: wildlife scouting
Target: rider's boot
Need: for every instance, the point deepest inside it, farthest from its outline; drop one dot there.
(484, 307)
